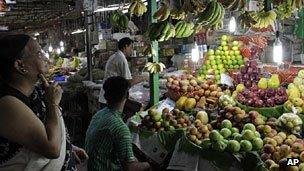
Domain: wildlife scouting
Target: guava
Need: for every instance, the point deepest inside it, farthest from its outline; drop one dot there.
(249, 126)
(247, 135)
(225, 132)
(234, 130)
(246, 145)
(237, 137)
(226, 124)
(257, 143)
(233, 146)
(219, 146)
(215, 136)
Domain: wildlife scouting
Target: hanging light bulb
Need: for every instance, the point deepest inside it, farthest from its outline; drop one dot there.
(50, 48)
(58, 50)
(277, 50)
(61, 43)
(232, 25)
(62, 49)
(195, 53)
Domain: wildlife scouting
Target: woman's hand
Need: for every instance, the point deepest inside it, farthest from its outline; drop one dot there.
(53, 92)
(80, 154)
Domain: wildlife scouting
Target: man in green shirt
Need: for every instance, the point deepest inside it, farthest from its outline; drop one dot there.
(108, 139)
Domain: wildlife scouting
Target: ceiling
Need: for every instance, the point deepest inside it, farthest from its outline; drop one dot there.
(36, 14)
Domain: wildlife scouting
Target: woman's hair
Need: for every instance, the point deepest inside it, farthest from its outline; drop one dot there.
(11, 49)
(116, 88)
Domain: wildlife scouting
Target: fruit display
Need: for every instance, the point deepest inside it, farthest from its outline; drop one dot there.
(226, 56)
(162, 13)
(277, 149)
(297, 4)
(264, 19)
(284, 9)
(233, 5)
(178, 14)
(165, 121)
(137, 8)
(161, 31)
(184, 29)
(226, 100)
(295, 93)
(248, 75)
(229, 138)
(257, 97)
(290, 122)
(200, 129)
(193, 6)
(155, 67)
(212, 16)
(119, 20)
(199, 94)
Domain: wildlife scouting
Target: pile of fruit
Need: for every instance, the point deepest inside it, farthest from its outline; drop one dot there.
(162, 31)
(165, 121)
(200, 129)
(119, 20)
(202, 95)
(226, 56)
(212, 16)
(249, 74)
(290, 123)
(228, 138)
(295, 93)
(137, 8)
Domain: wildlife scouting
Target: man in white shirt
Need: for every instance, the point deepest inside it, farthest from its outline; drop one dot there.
(117, 64)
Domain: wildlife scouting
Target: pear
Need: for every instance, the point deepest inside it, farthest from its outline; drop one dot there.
(262, 83)
(274, 81)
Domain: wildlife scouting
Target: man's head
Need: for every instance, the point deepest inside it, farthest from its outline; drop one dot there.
(126, 46)
(116, 90)
(21, 57)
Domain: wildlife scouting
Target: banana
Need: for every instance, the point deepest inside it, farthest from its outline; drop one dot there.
(164, 32)
(216, 16)
(207, 14)
(162, 13)
(180, 30)
(132, 8)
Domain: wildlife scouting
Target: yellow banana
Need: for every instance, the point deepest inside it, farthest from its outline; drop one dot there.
(132, 8)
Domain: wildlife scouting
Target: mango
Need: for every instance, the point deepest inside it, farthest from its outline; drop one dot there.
(190, 103)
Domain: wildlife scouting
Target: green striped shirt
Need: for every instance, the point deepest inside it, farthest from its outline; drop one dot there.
(108, 141)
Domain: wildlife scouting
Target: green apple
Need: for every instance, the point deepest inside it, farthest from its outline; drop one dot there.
(233, 57)
(234, 62)
(240, 62)
(228, 58)
(218, 57)
(225, 61)
(235, 43)
(217, 52)
(229, 62)
(220, 48)
(227, 53)
(237, 52)
(216, 72)
(231, 53)
(224, 38)
(224, 43)
(231, 66)
(236, 66)
(211, 57)
(225, 48)
(219, 61)
(210, 52)
(217, 77)
(213, 62)
(235, 48)
(220, 66)
(222, 52)
(239, 57)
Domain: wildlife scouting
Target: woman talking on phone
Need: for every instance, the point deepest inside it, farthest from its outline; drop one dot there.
(32, 136)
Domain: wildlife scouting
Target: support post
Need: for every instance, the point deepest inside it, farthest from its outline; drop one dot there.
(154, 78)
(88, 23)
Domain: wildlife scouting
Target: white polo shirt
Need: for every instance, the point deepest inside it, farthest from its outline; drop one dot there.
(117, 65)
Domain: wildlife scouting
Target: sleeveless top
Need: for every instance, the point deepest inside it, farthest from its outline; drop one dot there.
(35, 102)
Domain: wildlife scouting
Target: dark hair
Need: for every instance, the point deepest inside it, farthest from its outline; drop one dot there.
(11, 49)
(124, 42)
(115, 89)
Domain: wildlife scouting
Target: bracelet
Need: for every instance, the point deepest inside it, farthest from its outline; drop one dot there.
(56, 105)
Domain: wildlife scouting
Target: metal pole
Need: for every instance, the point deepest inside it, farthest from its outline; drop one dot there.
(88, 15)
(154, 78)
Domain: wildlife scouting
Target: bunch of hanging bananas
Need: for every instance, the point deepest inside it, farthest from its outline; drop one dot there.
(162, 13)
(184, 29)
(212, 16)
(264, 19)
(284, 10)
(297, 4)
(161, 31)
(147, 51)
(178, 14)
(120, 20)
(193, 6)
(155, 67)
(245, 19)
(137, 8)
(233, 5)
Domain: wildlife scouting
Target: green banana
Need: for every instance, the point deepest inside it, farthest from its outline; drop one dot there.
(208, 13)
(164, 32)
